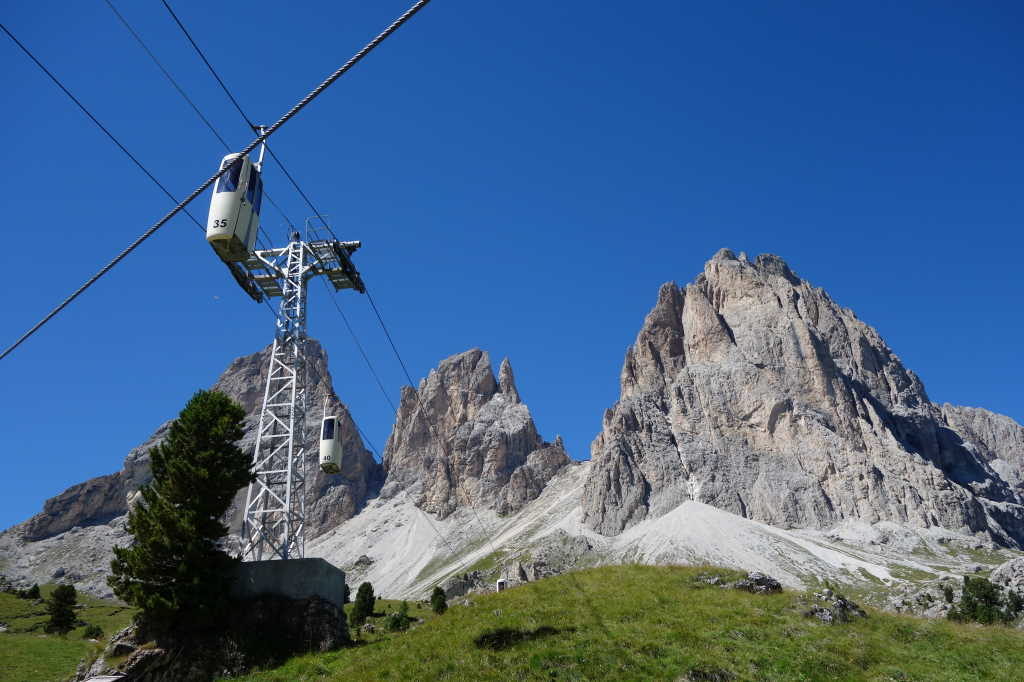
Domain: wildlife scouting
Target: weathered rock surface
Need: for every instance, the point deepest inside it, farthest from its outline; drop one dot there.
(753, 391)
(758, 583)
(463, 438)
(834, 609)
(72, 538)
(1009, 575)
(995, 438)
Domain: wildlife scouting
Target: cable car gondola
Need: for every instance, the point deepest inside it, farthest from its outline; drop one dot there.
(330, 446)
(234, 219)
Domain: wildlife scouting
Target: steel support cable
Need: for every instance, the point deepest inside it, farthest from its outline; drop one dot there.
(114, 140)
(169, 77)
(208, 64)
(440, 440)
(246, 118)
(338, 73)
(95, 120)
(191, 103)
(387, 334)
(359, 346)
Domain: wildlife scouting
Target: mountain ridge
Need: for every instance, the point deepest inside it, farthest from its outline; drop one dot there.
(752, 406)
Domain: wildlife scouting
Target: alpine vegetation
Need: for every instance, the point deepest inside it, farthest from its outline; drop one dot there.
(174, 571)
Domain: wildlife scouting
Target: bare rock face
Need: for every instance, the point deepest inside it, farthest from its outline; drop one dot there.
(753, 391)
(1009, 575)
(996, 438)
(333, 498)
(463, 438)
(96, 501)
(72, 537)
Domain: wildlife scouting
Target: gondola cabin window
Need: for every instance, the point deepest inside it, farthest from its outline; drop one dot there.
(229, 181)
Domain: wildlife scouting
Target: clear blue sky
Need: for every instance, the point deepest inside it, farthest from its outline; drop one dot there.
(523, 177)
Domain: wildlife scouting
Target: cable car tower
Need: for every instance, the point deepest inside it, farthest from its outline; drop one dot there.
(275, 507)
(274, 520)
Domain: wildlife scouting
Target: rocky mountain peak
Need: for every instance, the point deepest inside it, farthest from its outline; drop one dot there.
(87, 519)
(753, 391)
(507, 382)
(463, 438)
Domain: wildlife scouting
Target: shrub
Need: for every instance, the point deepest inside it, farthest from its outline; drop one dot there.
(30, 593)
(947, 592)
(438, 601)
(61, 607)
(984, 602)
(92, 632)
(399, 620)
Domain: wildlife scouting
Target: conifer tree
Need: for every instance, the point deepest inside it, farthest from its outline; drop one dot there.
(61, 607)
(438, 601)
(363, 606)
(174, 569)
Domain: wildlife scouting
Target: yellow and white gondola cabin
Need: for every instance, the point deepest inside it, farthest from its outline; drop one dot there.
(330, 446)
(234, 219)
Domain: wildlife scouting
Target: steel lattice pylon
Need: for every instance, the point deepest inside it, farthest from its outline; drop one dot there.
(274, 521)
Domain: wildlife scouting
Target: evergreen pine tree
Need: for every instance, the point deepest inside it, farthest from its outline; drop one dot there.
(61, 607)
(345, 593)
(174, 570)
(438, 601)
(363, 607)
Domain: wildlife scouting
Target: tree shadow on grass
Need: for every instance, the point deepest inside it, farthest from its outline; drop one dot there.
(505, 638)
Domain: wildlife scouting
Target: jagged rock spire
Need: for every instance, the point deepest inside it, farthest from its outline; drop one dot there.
(507, 382)
(750, 390)
(462, 438)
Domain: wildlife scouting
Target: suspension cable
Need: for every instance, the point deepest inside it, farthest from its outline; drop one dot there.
(359, 346)
(441, 441)
(245, 117)
(167, 75)
(338, 73)
(99, 125)
(263, 236)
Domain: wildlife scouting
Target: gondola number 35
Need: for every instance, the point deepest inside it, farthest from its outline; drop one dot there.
(222, 222)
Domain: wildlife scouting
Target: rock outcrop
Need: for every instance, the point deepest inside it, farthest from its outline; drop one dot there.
(1010, 575)
(72, 537)
(753, 391)
(300, 626)
(465, 438)
(996, 438)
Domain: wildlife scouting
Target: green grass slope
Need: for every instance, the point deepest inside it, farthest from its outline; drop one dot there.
(658, 623)
(28, 654)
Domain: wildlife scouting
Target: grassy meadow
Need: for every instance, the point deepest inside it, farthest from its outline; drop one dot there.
(614, 623)
(28, 654)
(659, 623)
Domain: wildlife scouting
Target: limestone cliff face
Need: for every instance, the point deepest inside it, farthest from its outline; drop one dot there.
(996, 438)
(92, 514)
(751, 390)
(464, 438)
(333, 498)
